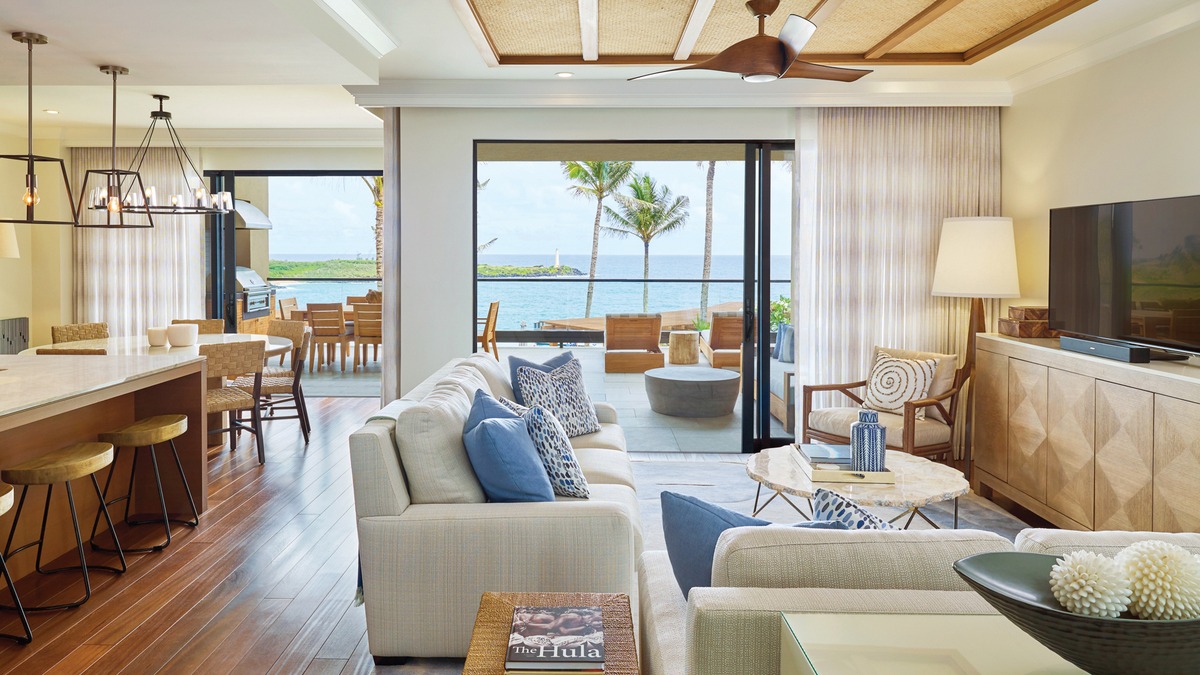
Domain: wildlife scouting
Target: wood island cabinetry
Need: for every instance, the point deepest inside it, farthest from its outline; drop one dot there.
(1084, 442)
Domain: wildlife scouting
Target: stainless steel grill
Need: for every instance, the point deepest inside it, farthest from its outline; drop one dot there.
(257, 296)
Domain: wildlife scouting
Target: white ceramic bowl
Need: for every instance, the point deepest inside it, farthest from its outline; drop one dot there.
(157, 337)
(183, 334)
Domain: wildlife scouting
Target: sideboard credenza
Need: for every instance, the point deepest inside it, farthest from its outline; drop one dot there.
(1084, 442)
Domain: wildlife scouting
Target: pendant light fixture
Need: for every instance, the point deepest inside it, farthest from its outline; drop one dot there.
(122, 188)
(32, 197)
(197, 200)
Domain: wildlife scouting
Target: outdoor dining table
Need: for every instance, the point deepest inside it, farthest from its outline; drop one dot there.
(139, 345)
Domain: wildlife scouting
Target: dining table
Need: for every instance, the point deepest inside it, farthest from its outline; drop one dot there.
(140, 345)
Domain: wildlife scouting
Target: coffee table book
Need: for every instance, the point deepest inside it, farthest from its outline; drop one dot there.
(839, 473)
(817, 453)
(555, 640)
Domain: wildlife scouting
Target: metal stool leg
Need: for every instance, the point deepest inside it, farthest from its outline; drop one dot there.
(187, 490)
(12, 590)
(83, 567)
(162, 502)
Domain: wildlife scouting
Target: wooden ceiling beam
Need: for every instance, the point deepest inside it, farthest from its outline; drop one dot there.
(912, 27)
(823, 10)
(589, 29)
(1023, 29)
(465, 10)
(701, 9)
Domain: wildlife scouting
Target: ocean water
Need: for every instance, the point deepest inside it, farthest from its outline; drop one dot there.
(525, 304)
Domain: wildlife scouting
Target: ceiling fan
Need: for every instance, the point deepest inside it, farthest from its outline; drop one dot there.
(764, 58)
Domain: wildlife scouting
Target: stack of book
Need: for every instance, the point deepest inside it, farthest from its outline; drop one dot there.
(831, 464)
(555, 641)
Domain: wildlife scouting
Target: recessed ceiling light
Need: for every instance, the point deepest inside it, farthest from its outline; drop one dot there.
(50, 112)
(565, 74)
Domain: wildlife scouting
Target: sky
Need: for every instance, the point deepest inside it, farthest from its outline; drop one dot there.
(527, 208)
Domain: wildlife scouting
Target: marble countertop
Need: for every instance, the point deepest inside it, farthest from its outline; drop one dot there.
(30, 381)
(137, 344)
(918, 480)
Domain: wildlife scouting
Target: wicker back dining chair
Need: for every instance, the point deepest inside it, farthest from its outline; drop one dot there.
(293, 331)
(205, 326)
(282, 392)
(226, 360)
(74, 332)
(81, 351)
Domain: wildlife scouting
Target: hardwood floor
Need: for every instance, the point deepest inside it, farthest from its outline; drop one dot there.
(264, 585)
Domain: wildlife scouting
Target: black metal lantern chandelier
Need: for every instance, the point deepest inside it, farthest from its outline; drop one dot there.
(32, 197)
(121, 188)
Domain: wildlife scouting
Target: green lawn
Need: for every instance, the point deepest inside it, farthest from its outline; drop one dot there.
(328, 269)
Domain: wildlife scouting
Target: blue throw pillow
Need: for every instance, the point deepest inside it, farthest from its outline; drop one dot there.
(503, 455)
(516, 362)
(778, 348)
(787, 348)
(829, 506)
(692, 527)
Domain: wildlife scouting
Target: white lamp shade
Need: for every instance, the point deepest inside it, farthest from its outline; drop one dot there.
(8, 241)
(977, 258)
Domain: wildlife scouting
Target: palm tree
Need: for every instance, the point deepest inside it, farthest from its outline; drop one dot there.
(595, 180)
(375, 185)
(648, 211)
(708, 227)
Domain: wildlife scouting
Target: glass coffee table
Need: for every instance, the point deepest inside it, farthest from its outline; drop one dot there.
(919, 482)
(912, 644)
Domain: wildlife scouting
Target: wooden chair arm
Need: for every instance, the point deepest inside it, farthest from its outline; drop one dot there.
(807, 396)
(910, 413)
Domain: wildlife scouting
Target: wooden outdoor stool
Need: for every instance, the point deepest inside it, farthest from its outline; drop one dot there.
(147, 433)
(6, 502)
(62, 466)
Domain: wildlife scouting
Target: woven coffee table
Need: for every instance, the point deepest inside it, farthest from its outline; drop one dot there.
(489, 640)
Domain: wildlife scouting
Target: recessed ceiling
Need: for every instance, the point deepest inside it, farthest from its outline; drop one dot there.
(649, 32)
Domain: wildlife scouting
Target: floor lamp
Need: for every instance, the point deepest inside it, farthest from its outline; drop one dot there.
(977, 259)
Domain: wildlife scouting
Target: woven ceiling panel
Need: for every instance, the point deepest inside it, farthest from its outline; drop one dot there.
(857, 25)
(971, 23)
(646, 27)
(730, 22)
(531, 27)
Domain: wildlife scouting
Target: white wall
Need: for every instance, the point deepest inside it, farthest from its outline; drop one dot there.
(437, 192)
(1124, 129)
(295, 158)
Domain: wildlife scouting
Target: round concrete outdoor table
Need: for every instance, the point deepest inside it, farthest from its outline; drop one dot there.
(692, 392)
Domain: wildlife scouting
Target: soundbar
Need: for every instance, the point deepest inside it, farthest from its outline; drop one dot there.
(1108, 349)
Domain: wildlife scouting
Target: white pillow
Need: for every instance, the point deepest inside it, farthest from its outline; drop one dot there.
(894, 382)
(429, 439)
(562, 393)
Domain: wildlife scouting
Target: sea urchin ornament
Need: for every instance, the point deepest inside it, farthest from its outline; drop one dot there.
(1090, 584)
(1164, 578)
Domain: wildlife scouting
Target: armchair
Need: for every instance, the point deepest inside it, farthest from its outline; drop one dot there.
(931, 437)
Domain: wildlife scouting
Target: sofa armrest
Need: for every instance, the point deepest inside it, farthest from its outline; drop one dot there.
(379, 484)
(606, 413)
(750, 618)
(425, 570)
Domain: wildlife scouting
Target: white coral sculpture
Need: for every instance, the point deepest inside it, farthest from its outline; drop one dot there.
(1164, 578)
(1090, 584)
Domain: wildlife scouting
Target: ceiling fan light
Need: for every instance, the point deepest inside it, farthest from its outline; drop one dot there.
(760, 77)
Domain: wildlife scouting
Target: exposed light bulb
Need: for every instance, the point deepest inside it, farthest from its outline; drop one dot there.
(32, 198)
(114, 204)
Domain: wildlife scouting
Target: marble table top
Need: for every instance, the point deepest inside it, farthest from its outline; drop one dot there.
(919, 481)
(137, 345)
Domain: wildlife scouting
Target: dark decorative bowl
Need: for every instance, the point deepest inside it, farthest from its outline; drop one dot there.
(1018, 586)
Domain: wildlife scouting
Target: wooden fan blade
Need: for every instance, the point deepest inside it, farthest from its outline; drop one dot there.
(796, 33)
(813, 71)
(759, 54)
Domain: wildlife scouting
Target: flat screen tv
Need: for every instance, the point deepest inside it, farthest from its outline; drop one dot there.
(1128, 271)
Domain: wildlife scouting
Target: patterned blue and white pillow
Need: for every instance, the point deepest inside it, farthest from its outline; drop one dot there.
(554, 448)
(829, 506)
(561, 392)
(514, 406)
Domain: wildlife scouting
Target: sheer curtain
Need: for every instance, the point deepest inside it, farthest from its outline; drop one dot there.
(883, 180)
(137, 278)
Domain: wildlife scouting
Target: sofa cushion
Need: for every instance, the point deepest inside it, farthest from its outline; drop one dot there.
(1059, 542)
(502, 454)
(603, 465)
(837, 421)
(610, 436)
(787, 344)
(429, 439)
(550, 364)
(468, 380)
(617, 494)
(493, 371)
(562, 392)
(777, 348)
(830, 507)
(785, 557)
(943, 373)
(894, 382)
(556, 453)
(691, 528)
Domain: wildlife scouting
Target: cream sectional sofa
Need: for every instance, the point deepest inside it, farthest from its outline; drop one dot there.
(430, 546)
(759, 572)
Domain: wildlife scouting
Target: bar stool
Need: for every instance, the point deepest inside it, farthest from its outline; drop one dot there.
(62, 466)
(146, 434)
(6, 501)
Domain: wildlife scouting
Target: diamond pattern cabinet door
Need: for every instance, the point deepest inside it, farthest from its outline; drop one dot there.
(990, 440)
(1124, 457)
(1071, 460)
(1176, 465)
(1027, 433)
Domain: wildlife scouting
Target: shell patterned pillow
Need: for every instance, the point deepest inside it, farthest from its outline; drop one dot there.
(894, 382)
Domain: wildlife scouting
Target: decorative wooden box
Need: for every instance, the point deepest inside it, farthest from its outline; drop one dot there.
(1029, 313)
(1025, 329)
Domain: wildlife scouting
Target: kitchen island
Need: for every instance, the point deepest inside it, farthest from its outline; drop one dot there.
(47, 402)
